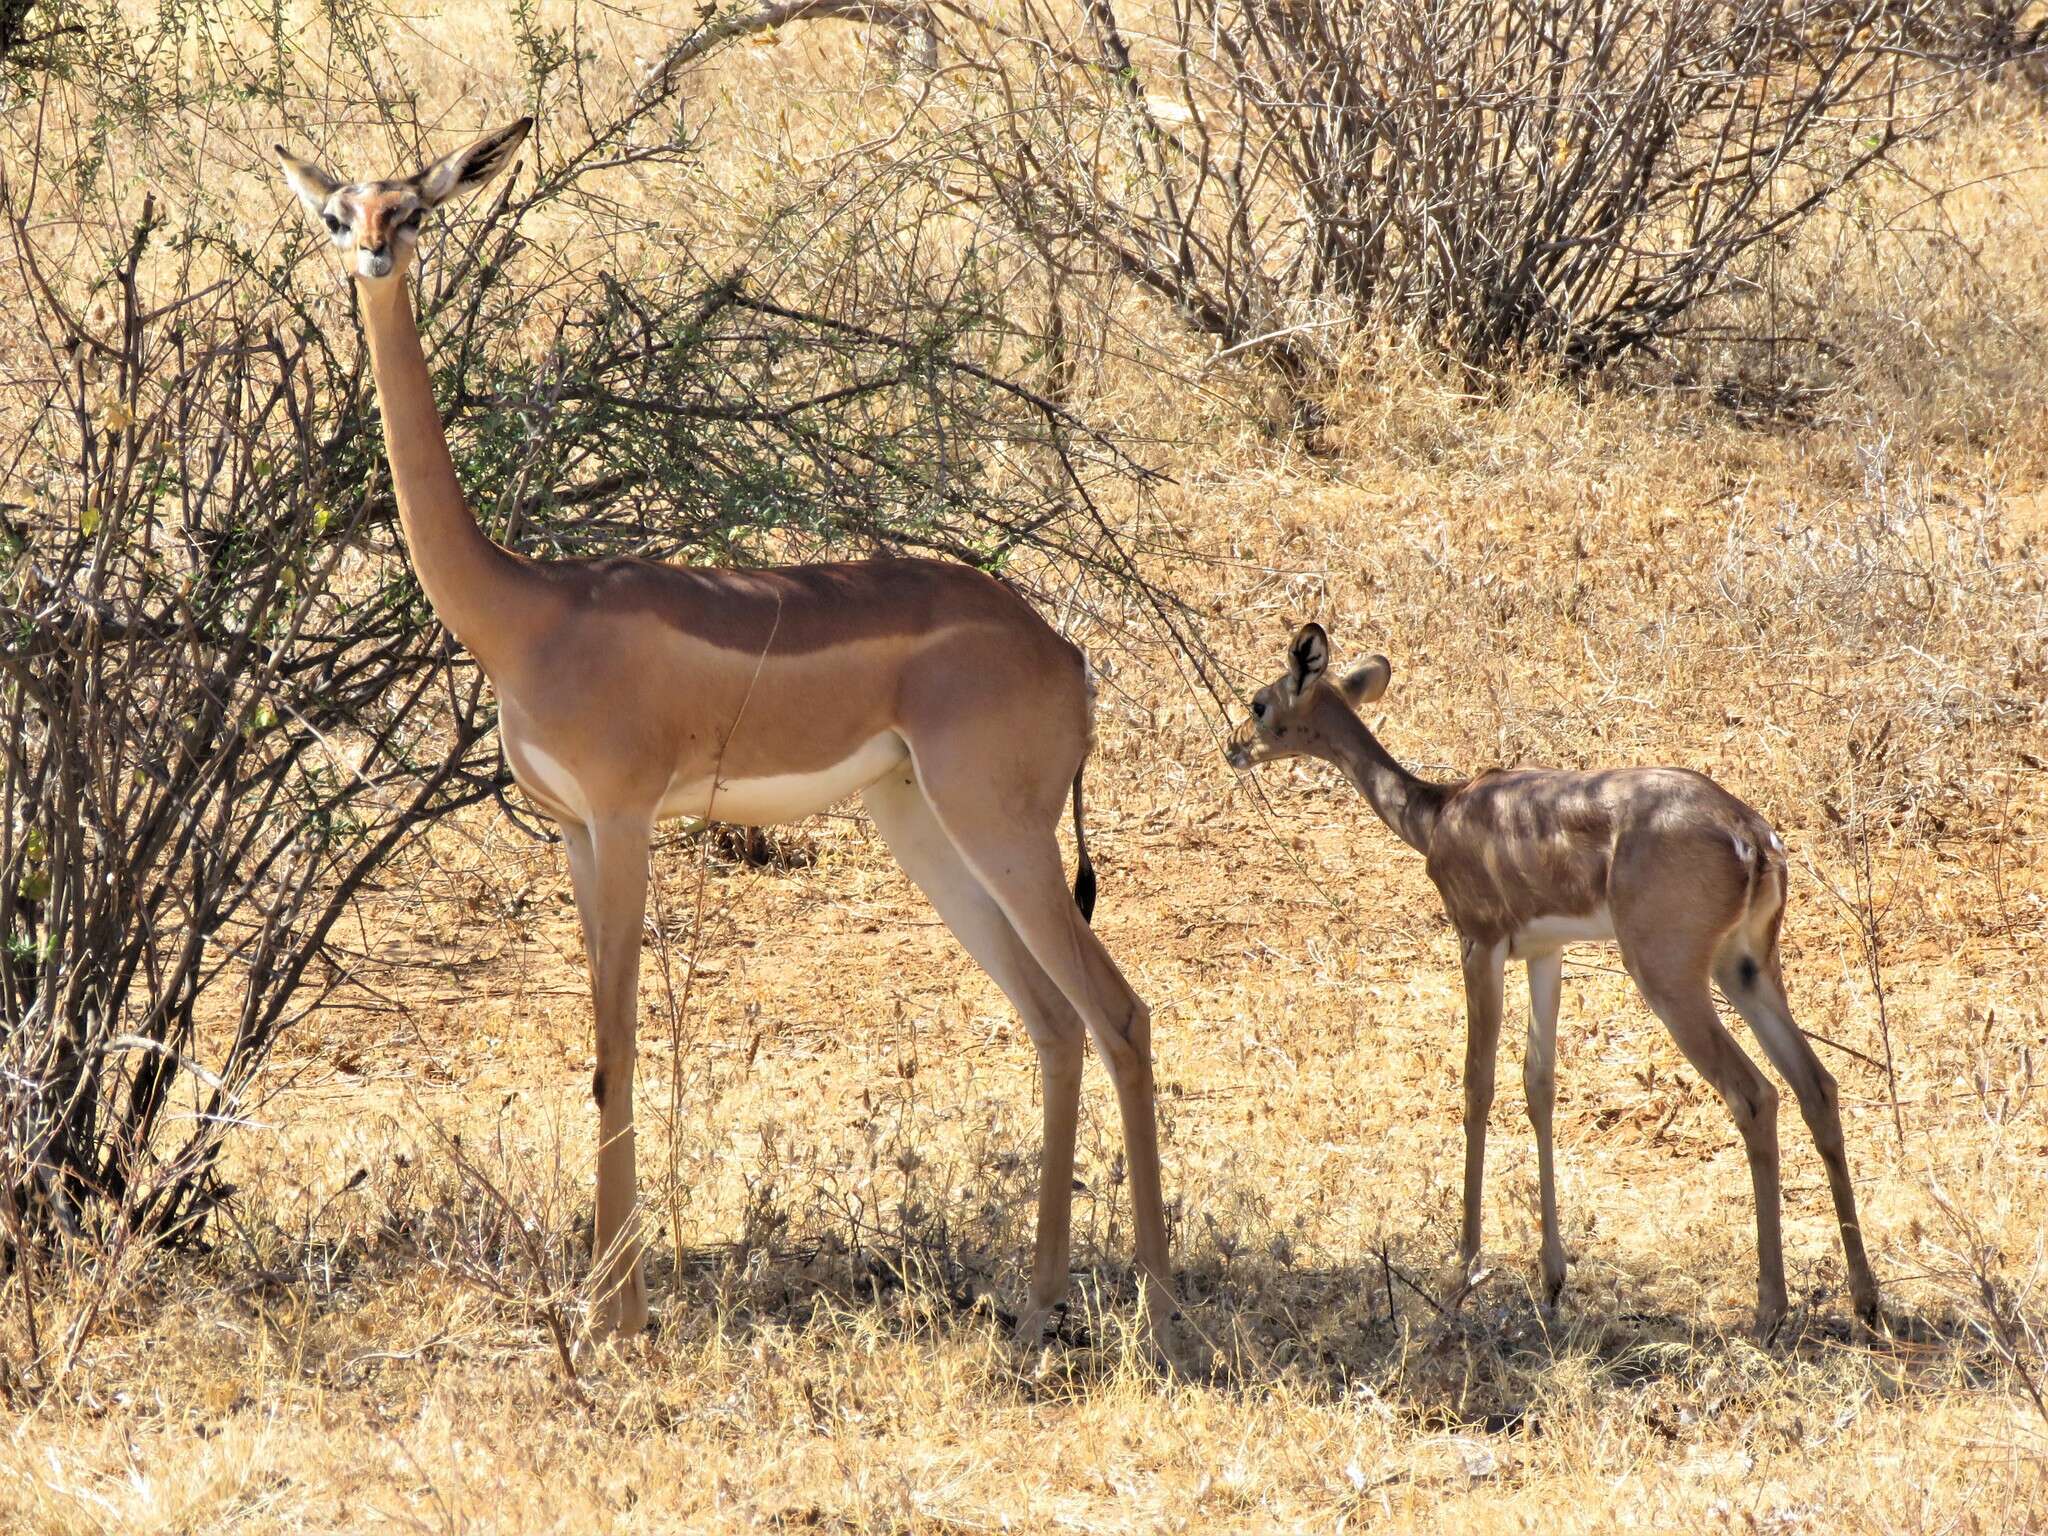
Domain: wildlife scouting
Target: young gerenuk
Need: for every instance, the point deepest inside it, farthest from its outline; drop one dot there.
(1687, 880)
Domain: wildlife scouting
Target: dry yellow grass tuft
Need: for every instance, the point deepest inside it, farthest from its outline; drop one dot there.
(1845, 621)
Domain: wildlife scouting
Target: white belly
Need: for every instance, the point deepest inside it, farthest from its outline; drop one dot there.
(1546, 934)
(766, 802)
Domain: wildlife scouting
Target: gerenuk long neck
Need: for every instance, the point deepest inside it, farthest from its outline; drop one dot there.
(478, 590)
(1408, 805)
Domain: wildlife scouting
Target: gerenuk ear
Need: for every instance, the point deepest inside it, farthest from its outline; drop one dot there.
(471, 166)
(1308, 656)
(1366, 681)
(313, 185)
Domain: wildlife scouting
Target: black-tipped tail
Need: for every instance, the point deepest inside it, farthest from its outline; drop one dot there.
(1084, 876)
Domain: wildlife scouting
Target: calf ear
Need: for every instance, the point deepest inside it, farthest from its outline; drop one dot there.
(1367, 681)
(1308, 657)
(472, 165)
(313, 185)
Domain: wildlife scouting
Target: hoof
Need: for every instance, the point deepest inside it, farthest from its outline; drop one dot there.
(1029, 1333)
(1181, 1354)
(618, 1318)
(1459, 1279)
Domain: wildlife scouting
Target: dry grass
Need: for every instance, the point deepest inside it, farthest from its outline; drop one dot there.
(1846, 621)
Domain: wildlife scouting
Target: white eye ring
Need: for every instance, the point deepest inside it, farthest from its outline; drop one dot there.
(334, 225)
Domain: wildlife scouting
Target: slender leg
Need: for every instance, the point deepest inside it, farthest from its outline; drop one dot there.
(1539, 1083)
(1019, 865)
(1059, 1064)
(1759, 996)
(1484, 967)
(1687, 1008)
(608, 865)
(906, 822)
(582, 878)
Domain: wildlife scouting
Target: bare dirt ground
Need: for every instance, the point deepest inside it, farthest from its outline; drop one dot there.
(1844, 620)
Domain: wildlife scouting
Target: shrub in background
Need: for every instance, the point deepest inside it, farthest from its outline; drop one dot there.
(1505, 178)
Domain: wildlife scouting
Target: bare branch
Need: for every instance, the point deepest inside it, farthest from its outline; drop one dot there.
(913, 22)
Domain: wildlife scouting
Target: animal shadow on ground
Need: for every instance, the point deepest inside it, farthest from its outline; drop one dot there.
(1376, 1334)
(1486, 1358)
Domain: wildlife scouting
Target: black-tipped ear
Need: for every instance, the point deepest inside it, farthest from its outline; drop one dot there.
(471, 166)
(1308, 656)
(1367, 681)
(313, 185)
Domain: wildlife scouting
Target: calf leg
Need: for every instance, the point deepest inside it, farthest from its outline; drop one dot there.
(1758, 995)
(1686, 1006)
(1484, 967)
(1539, 1084)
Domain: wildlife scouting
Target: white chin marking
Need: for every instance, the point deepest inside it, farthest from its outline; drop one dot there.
(1544, 934)
(777, 798)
